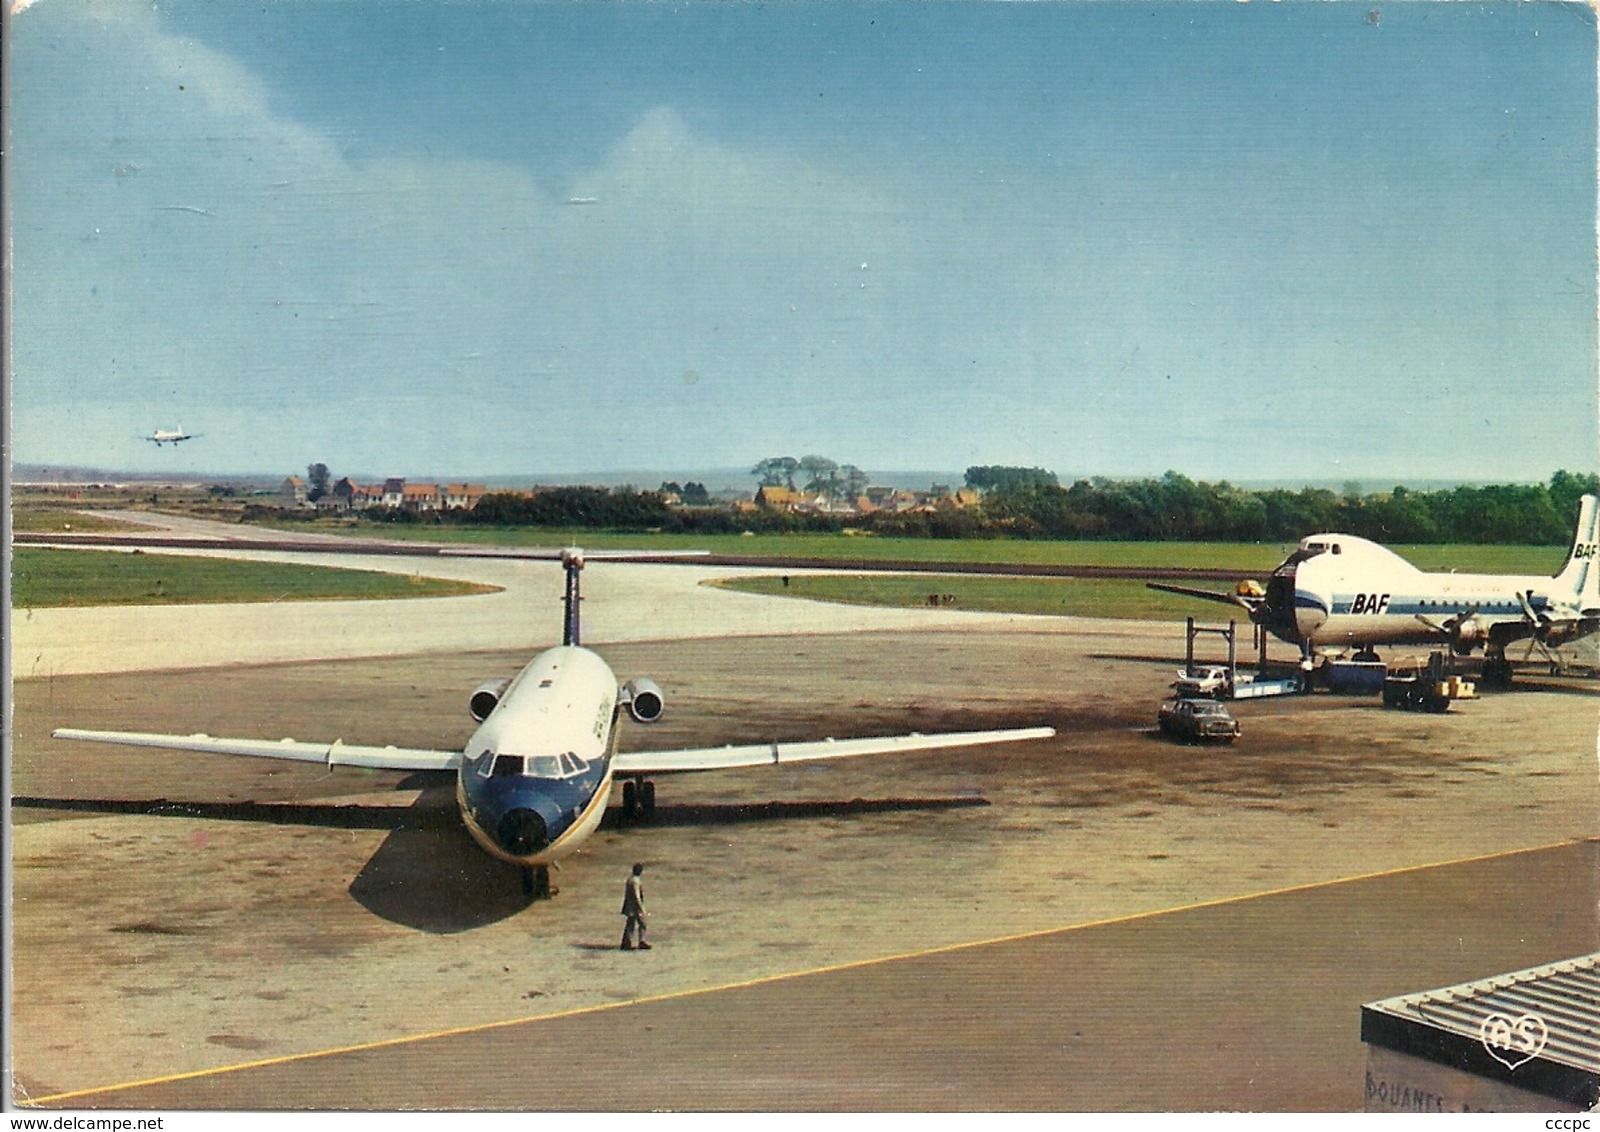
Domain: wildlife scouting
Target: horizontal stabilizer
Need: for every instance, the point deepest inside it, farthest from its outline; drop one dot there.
(1208, 595)
(722, 758)
(329, 754)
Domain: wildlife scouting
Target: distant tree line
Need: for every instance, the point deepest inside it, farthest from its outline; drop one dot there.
(1175, 507)
(690, 494)
(1029, 503)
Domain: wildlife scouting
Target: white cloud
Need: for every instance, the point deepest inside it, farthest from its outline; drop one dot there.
(184, 247)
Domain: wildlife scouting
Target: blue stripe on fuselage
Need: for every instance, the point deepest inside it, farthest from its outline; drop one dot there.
(1306, 600)
(1400, 606)
(559, 801)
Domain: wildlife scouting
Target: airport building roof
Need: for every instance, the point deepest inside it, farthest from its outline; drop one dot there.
(1536, 1029)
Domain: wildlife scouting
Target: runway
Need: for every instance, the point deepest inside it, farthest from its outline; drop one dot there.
(623, 602)
(903, 933)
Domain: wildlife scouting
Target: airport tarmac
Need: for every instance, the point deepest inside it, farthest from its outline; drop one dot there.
(285, 910)
(1139, 1014)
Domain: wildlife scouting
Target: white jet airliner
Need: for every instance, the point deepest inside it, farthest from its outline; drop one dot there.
(534, 779)
(1340, 592)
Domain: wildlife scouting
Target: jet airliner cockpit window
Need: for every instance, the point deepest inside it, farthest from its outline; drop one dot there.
(544, 766)
(1308, 551)
(507, 765)
(490, 765)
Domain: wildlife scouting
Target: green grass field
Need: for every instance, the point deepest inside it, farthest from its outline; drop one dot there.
(43, 577)
(55, 520)
(1079, 597)
(1248, 559)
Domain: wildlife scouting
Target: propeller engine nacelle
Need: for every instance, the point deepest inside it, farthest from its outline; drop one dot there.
(1467, 635)
(486, 696)
(644, 699)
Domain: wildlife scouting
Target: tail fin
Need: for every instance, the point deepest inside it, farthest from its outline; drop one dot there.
(1581, 575)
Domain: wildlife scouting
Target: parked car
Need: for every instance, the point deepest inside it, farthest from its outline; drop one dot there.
(1205, 680)
(1197, 721)
(1213, 680)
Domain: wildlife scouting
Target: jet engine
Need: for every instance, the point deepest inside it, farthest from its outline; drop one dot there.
(486, 696)
(644, 699)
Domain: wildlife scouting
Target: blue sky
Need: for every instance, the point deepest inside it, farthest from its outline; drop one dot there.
(1287, 241)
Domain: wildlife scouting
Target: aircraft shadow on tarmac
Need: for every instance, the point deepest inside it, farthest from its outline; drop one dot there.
(428, 875)
(736, 813)
(329, 816)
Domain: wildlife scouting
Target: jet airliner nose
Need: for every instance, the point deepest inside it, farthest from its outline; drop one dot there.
(522, 832)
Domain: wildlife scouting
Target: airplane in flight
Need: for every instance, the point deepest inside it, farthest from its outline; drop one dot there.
(1339, 592)
(534, 779)
(174, 436)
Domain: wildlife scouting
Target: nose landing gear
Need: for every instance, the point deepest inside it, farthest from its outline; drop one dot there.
(638, 799)
(536, 883)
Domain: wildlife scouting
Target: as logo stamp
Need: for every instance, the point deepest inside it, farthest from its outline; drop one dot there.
(1513, 1041)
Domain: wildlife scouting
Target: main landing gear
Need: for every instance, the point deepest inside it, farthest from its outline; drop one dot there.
(536, 883)
(638, 799)
(1496, 671)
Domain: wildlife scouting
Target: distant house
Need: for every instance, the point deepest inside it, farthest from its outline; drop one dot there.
(394, 492)
(782, 499)
(356, 496)
(293, 492)
(876, 499)
(421, 497)
(937, 496)
(828, 505)
(463, 495)
(344, 490)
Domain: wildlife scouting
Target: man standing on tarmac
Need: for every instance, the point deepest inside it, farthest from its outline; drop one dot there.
(633, 908)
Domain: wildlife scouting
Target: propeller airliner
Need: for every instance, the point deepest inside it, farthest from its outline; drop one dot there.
(534, 779)
(1339, 592)
(172, 436)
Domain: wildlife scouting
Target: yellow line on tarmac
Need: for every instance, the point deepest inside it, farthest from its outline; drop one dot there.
(762, 980)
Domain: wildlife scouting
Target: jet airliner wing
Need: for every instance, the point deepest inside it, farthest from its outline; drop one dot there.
(758, 754)
(329, 754)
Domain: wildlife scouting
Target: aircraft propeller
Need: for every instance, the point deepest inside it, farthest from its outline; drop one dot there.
(1452, 629)
(1543, 624)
